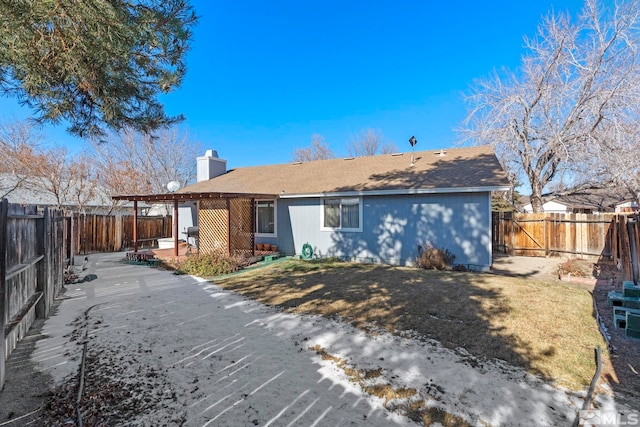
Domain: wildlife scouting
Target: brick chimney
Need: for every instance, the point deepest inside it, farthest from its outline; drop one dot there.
(210, 166)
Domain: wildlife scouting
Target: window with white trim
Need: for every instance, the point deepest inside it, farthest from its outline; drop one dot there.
(266, 217)
(342, 213)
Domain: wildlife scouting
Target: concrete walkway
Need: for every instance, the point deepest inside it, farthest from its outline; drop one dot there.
(201, 355)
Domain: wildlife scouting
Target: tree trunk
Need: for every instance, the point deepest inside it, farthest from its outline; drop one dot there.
(536, 198)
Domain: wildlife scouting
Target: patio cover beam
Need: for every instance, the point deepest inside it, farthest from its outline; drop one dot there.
(185, 197)
(176, 198)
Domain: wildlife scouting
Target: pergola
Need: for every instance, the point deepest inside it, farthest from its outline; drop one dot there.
(176, 198)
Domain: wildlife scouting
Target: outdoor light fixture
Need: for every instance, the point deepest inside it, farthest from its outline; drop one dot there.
(413, 141)
(173, 186)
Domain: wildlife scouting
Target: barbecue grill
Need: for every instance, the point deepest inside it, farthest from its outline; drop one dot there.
(193, 235)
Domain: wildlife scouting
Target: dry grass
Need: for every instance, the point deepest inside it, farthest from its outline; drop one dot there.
(547, 328)
(388, 392)
(427, 416)
(405, 400)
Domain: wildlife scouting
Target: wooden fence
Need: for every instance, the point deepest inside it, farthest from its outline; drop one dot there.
(33, 249)
(111, 233)
(31, 270)
(609, 237)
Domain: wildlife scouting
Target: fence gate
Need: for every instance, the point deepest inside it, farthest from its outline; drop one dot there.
(519, 234)
(609, 237)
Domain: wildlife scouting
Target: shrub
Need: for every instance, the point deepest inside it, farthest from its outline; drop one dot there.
(209, 265)
(432, 258)
(574, 267)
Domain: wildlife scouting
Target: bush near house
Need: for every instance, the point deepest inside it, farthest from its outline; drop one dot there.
(432, 258)
(209, 265)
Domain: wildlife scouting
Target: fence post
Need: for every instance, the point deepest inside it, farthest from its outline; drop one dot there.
(118, 233)
(72, 241)
(44, 279)
(614, 238)
(4, 209)
(512, 232)
(59, 247)
(635, 256)
(547, 237)
(625, 249)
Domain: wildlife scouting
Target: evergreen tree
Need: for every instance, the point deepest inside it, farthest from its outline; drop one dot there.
(100, 64)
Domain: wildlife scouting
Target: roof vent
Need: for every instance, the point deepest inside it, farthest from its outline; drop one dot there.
(296, 163)
(349, 158)
(442, 153)
(396, 154)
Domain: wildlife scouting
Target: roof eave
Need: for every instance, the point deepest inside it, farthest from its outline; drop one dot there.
(407, 191)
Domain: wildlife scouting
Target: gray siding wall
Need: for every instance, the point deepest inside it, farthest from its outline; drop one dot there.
(393, 227)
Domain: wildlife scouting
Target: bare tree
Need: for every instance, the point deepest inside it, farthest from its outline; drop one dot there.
(575, 94)
(369, 143)
(19, 144)
(50, 173)
(26, 162)
(619, 159)
(134, 163)
(84, 190)
(318, 150)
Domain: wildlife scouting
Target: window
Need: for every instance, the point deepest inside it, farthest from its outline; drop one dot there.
(332, 213)
(266, 217)
(342, 213)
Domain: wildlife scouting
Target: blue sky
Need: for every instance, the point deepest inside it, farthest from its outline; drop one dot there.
(263, 77)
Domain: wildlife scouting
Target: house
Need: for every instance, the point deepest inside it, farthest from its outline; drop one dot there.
(589, 201)
(553, 206)
(627, 206)
(374, 209)
(73, 195)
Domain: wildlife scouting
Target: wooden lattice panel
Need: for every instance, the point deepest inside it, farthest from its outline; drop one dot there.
(241, 225)
(214, 228)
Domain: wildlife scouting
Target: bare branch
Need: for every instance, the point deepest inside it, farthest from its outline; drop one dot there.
(319, 150)
(369, 143)
(573, 106)
(134, 163)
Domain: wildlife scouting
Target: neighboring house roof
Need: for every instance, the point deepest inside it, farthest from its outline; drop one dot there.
(549, 206)
(601, 200)
(29, 193)
(450, 170)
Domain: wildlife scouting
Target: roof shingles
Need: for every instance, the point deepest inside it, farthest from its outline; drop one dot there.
(458, 168)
